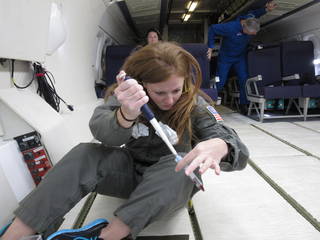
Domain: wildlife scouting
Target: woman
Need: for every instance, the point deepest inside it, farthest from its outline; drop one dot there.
(142, 170)
(153, 36)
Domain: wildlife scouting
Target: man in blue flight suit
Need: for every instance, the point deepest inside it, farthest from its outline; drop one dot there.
(236, 36)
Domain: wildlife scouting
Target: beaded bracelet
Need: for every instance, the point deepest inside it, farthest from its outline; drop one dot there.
(128, 120)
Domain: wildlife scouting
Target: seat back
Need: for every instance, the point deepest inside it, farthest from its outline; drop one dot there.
(297, 58)
(265, 62)
(199, 52)
(114, 59)
(116, 55)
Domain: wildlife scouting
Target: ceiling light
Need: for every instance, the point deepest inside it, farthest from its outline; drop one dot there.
(193, 6)
(186, 17)
(189, 4)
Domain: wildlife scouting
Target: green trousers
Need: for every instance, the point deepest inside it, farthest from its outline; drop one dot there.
(151, 191)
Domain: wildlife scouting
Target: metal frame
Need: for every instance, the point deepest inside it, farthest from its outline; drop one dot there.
(234, 93)
(258, 101)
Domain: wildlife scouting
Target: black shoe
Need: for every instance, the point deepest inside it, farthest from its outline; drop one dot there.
(243, 109)
(87, 232)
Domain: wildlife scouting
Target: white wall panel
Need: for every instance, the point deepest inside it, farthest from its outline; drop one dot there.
(114, 24)
(24, 29)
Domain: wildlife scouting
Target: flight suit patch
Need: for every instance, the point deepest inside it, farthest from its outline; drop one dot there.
(215, 114)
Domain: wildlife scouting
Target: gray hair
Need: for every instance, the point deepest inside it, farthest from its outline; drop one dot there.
(252, 25)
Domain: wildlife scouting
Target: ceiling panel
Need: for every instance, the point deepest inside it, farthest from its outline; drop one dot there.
(284, 6)
(146, 13)
(204, 9)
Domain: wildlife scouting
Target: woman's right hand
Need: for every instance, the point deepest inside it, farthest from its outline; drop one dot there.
(131, 96)
(209, 53)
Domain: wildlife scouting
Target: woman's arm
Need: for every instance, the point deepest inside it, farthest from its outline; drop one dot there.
(218, 146)
(105, 126)
(112, 122)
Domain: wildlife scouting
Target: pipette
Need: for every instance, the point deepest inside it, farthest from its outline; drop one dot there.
(193, 177)
(150, 117)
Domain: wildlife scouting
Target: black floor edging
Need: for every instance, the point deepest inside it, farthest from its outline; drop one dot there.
(298, 207)
(193, 218)
(194, 222)
(310, 129)
(84, 211)
(286, 142)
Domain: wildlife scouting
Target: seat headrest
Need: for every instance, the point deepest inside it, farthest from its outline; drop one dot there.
(196, 49)
(119, 51)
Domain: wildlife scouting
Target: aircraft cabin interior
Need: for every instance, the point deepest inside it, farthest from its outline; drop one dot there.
(58, 59)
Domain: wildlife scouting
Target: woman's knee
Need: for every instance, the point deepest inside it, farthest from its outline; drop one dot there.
(83, 148)
(76, 157)
(85, 151)
(177, 190)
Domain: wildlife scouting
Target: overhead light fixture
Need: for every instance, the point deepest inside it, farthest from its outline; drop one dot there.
(185, 17)
(191, 6)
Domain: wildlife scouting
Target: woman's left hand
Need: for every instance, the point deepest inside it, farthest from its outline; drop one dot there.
(206, 154)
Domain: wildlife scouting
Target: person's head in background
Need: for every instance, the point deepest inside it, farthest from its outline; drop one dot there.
(250, 26)
(153, 36)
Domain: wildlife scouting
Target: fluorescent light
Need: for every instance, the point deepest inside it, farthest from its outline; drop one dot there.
(316, 61)
(189, 4)
(186, 18)
(193, 6)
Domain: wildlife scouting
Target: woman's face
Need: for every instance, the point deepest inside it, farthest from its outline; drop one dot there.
(152, 37)
(165, 94)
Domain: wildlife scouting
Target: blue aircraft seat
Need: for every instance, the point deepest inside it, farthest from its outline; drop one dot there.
(297, 60)
(116, 55)
(199, 52)
(265, 81)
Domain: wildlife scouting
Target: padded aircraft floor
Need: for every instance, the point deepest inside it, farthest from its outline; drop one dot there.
(275, 197)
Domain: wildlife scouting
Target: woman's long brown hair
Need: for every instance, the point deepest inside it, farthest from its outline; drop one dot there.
(156, 63)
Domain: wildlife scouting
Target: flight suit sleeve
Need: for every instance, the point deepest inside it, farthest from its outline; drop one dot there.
(206, 127)
(255, 13)
(105, 127)
(222, 29)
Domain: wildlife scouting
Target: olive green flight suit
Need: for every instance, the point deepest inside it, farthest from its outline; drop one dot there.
(141, 171)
